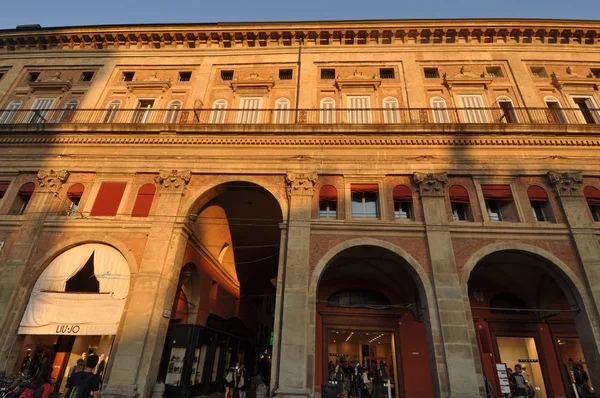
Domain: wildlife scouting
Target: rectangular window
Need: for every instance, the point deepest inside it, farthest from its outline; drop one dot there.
(387, 73)
(359, 109)
(538, 211)
(328, 74)
(74, 205)
(589, 111)
(250, 110)
(328, 208)
(460, 211)
(128, 76)
(594, 71)
(493, 71)
(538, 71)
(108, 199)
(285, 74)
(143, 111)
(87, 76)
(33, 76)
(226, 75)
(471, 112)
(185, 76)
(39, 110)
(499, 203)
(402, 210)
(365, 200)
(431, 73)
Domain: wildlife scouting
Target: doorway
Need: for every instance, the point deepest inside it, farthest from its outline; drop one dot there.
(523, 351)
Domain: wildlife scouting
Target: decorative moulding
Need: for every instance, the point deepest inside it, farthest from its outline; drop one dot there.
(573, 80)
(253, 84)
(357, 80)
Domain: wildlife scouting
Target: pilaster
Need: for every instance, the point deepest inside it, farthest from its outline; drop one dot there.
(139, 344)
(458, 378)
(293, 358)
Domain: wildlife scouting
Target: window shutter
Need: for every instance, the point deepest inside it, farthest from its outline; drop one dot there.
(470, 114)
(282, 114)
(391, 112)
(3, 188)
(27, 188)
(402, 193)
(327, 111)
(143, 201)
(75, 191)
(440, 112)
(250, 110)
(7, 115)
(537, 194)
(359, 109)
(458, 194)
(108, 199)
(497, 192)
(592, 195)
(39, 110)
(218, 113)
(328, 192)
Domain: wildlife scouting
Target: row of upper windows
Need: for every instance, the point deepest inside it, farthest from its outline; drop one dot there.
(499, 202)
(106, 203)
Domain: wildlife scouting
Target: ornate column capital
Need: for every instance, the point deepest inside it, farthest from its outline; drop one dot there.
(567, 183)
(52, 180)
(173, 180)
(301, 184)
(431, 184)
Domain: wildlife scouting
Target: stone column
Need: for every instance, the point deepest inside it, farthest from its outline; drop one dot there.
(568, 187)
(15, 276)
(457, 373)
(292, 376)
(138, 347)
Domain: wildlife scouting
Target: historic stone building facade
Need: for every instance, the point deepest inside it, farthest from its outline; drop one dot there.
(419, 194)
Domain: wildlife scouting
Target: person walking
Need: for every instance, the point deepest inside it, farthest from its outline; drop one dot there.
(85, 383)
(518, 383)
(230, 380)
(243, 381)
(581, 381)
(366, 384)
(77, 368)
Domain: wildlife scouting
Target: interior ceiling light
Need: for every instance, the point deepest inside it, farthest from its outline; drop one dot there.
(350, 335)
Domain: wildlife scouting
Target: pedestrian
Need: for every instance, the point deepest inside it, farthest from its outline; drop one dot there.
(581, 381)
(84, 383)
(77, 368)
(230, 379)
(488, 387)
(366, 384)
(518, 383)
(243, 381)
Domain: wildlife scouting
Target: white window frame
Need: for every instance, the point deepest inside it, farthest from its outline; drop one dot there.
(250, 111)
(11, 110)
(439, 110)
(559, 113)
(69, 110)
(218, 111)
(504, 98)
(359, 114)
(391, 110)
(594, 111)
(112, 111)
(40, 109)
(282, 111)
(470, 112)
(173, 110)
(143, 112)
(327, 106)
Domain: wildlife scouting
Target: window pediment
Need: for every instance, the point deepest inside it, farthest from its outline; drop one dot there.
(54, 83)
(358, 80)
(252, 85)
(575, 80)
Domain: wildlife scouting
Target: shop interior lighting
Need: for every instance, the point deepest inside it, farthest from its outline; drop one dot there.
(349, 336)
(376, 337)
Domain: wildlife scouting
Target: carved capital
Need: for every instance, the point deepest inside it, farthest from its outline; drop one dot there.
(566, 184)
(52, 179)
(431, 184)
(173, 180)
(302, 184)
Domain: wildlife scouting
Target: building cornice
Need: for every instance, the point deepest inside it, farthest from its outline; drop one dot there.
(258, 35)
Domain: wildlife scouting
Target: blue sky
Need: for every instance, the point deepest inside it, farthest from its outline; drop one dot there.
(85, 12)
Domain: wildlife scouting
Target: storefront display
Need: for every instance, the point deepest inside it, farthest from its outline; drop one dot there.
(523, 351)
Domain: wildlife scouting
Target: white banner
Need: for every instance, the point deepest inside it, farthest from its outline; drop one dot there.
(70, 329)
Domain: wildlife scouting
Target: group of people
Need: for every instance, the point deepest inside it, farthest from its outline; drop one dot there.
(237, 380)
(362, 382)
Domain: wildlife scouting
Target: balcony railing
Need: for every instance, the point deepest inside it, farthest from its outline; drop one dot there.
(303, 116)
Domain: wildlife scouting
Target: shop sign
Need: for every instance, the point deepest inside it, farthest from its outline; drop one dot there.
(67, 329)
(271, 339)
(334, 354)
(503, 378)
(528, 360)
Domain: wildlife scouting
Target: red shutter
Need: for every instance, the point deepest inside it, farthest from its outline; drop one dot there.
(328, 192)
(108, 199)
(592, 194)
(364, 188)
(402, 193)
(27, 189)
(3, 188)
(458, 194)
(75, 191)
(497, 192)
(143, 201)
(537, 194)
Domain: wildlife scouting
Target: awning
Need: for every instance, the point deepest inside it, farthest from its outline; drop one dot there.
(328, 192)
(497, 192)
(458, 194)
(364, 188)
(402, 193)
(75, 191)
(537, 194)
(592, 195)
(27, 188)
(51, 310)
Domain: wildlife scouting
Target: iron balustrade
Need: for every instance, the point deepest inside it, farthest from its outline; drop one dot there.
(505, 115)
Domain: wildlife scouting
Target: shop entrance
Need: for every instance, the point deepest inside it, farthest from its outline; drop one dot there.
(523, 351)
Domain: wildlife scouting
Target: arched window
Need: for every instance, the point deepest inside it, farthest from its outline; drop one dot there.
(74, 194)
(217, 114)
(84, 281)
(8, 114)
(538, 197)
(391, 111)
(172, 113)
(327, 110)
(555, 111)
(143, 201)
(282, 111)
(508, 303)
(69, 112)
(358, 298)
(508, 113)
(111, 111)
(403, 202)
(440, 110)
(23, 198)
(592, 196)
(328, 202)
(459, 200)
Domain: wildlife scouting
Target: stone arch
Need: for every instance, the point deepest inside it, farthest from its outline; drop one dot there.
(208, 192)
(428, 302)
